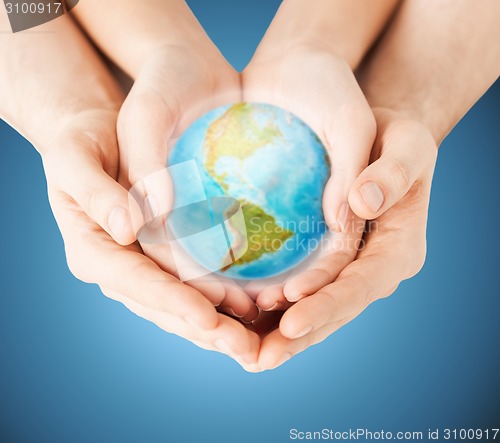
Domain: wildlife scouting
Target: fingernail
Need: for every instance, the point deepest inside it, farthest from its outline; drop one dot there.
(304, 331)
(151, 207)
(372, 195)
(230, 311)
(342, 217)
(277, 306)
(222, 345)
(117, 220)
(249, 317)
(295, 298)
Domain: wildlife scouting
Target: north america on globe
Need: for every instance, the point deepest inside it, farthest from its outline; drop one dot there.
(261, 172)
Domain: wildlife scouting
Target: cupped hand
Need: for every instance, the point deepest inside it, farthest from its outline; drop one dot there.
(176, 85)
(402, 166)
(320, 88)
(93, 214)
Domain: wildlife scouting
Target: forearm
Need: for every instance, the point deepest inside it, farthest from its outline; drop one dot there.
(435, 61)
(128, 31)
(346, 28)
(48, 77)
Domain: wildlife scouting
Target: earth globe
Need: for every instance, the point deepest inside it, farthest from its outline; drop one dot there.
(248, 182)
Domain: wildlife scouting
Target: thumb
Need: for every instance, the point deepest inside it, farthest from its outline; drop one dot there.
(81, 176)
(145, 127)
(407, 149)
(349, 140)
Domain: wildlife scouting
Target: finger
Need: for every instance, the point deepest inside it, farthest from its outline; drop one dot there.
(79, 172)
(222, 292)
(266, 322)
(268, 292)
(232, 338)
(277, 349)
(238, 304)
(406, 152)
(227, 296)
(150, 121)
(337, 111)
(349, 134)
(138, 278)
(255, 287)
(93, 257)
(367, 279)
(272, 298)
(338, 249)
(143, 146)
(154, 115)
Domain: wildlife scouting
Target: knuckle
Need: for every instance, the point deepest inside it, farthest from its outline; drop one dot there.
(137, 177)
(157, 292)
(370, 124)
(400, 175)
(334, 261)
(366, 292)
(91, 203)
(335, 308)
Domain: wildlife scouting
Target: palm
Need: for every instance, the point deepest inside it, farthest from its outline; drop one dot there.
(321, 89)
(175, 86)
(124, 273)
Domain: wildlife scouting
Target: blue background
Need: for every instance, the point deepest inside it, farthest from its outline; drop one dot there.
(77, 367)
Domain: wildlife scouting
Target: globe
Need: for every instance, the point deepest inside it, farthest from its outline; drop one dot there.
(248, 182)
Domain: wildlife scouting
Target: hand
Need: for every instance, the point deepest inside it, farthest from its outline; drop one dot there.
(68, 110)
(174, 87)
(320, 88)
(403, 162)
(81, 165)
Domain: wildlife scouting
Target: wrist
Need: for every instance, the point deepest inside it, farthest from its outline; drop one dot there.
(41, 129)
(307, 40)
(401, 116)
(138, 30)
(93, 127)
(433, 118)
(345, 28)
(297, 53)
(47, 86)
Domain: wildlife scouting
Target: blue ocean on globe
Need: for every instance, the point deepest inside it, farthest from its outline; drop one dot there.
(248, 183)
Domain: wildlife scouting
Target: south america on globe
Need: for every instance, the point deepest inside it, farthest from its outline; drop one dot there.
(248, 183)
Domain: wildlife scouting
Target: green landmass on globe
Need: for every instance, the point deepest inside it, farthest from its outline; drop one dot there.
(236, 134)
(263, 234)
(274, 167)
